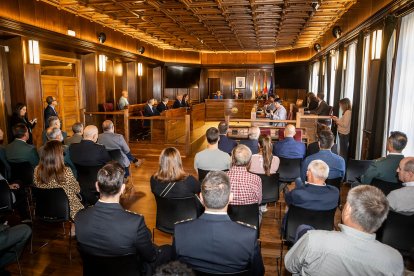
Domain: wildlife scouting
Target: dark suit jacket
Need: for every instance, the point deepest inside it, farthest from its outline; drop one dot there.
(226, 144)
(178, 104)
(88, 153)
(48, 112)
(313, 105)
(240, 96)
(383, 168)
(19, 120)
(114, 232)
(208, 244)
(19, 151)
(314, 148)
(253, 145)
(148, 111)
(162, 107)
(322, 109)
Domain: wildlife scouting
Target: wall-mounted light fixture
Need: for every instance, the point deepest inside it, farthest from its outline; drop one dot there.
(376, 44)
(336, 32)
(317, 47)
(71, 32)
(140, 71)
(102, 63)
(34, 54)
(344, 63)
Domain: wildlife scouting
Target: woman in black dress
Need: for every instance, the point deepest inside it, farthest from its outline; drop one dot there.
(20, 117)
(171, 180)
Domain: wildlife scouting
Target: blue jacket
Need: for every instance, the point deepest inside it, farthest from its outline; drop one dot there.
(253, 145)
(226, 144)
(289, 148)
(335, 162)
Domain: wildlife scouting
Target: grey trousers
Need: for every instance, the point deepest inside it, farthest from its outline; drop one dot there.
(12, 242)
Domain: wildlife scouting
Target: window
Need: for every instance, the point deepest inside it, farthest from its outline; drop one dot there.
(325, 76)
(402, 115)
(349, 65)
(315, 77)
(334, 58)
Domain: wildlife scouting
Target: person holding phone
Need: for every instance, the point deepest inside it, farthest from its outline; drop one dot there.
(20, 117)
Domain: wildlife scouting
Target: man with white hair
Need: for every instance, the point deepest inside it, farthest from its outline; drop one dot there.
(289, 147)
(353, 250)
(77, 129)
(149, 109)
(314, 194)
(123, 100)
(402, 200)
(53, 122)
(253, 142)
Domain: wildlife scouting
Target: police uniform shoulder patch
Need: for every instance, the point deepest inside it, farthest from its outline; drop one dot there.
(246, 224)
(185, 220)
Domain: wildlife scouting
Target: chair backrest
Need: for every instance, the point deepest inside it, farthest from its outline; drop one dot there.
(202, 174)
(321, 220)
(265, 131)
(6, 201)
(386, 187)
(22, 172)
(245, 213)
(356, 168)
(5, 169)
(52, 205)
(116, 155)
(336, 182)
(172, 210)
(289, 169)
(270, 187)
(240, 273)
(108, 107)
(87, 176)
(297, 137)
(127, 265)
(397, 232)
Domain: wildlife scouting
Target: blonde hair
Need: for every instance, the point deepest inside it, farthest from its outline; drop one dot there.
(170, 166)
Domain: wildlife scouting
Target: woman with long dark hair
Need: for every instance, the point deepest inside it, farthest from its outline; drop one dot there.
(264, 162)
(171, 180)
(344, 126)
(19, 116)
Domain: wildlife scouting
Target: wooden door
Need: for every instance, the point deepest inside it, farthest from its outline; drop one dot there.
(66, 91)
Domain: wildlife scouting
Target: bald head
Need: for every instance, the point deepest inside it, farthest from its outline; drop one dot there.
(290, 131)
(90, 133)
(108, 126)
(406, 169)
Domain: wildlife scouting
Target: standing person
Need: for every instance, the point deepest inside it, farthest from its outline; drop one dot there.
(20, 117)
(344, 126)
(123, 100)
(312, 101)
(50, 109)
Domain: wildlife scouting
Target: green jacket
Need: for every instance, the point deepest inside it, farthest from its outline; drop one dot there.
(384, 168)
(19, 151)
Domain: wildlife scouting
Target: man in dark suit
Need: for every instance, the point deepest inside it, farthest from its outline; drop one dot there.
(50, 109)
(225, 144)
(289, 147)
(162, 106)
(106, 229)
(323, 109)
(19, 151)
(253, 142)
(179, 102)
(150, 110)
(87, 152)
(220, 245)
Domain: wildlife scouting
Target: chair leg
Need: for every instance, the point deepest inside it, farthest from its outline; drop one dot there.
(18, 263)
(281, 259)
(70, 243)
(64, 229)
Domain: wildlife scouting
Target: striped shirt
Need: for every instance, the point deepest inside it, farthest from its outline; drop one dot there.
(246, 187)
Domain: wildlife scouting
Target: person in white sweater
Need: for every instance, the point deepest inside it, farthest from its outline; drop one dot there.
(344, 126)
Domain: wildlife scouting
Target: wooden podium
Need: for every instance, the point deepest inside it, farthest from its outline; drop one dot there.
(169, 126)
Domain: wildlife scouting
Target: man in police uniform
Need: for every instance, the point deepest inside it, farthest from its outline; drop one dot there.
(213, 243)
(106, 229)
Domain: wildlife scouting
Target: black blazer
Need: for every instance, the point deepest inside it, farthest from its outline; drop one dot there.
(162, 107)
(322, 109)
(88, 153)
(178, 104)
(148, 111)
(313, 105)
(19, 120)
(124, 232)
(48, 112)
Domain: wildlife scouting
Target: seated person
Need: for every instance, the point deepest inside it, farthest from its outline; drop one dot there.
(163, 105)
(336, 163)
(237, 95)
(270, 106)
(402, 200)
(245, 186)
(279, 113)
(384, 168)
(212, 159)
(180, 102)
(314, 194)
(314, 147)
(12, 242)
(218, 95)
(19, 151)
(220, 245)
(53, 121)
(186, 101)
(77, 129)
(253, 142)
(289, 147)
(353, 250)
(171, 180)
(123, 100)
(150, 110)
(97, 226)
(87, 152)
(19, 201)
(225, 144)
(264, 162)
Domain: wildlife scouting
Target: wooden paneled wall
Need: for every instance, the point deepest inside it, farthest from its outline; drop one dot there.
(237, 58)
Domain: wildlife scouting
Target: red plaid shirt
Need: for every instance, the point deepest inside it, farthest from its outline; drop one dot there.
(246, 187)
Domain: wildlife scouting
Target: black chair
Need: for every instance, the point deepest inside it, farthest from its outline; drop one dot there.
(270, 189)
(203, 173)
(172, 210)
(87, 176)
(5, 169)
(384, 186)
(356, 168)
(6, 201)
(397, 232)
(22, 172)
(336, 182)
(52, 206)
(116, 155)
(127, 265)
(240, 273)
(245, 213)
(289, 169)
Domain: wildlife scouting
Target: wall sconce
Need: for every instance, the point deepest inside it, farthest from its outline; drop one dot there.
(102, 63)
(71, 32)
(140, 71)
(376, 44)
(317, 47)
(34, 55)
(344, 64)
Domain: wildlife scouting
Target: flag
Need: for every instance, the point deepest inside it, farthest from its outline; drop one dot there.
(258, 83)
(254, 88)
(265, 84)
(271, 84)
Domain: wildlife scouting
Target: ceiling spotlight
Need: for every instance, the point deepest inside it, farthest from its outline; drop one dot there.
(102, 37)
(141, 50)
(317, 47)
(337, 32)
